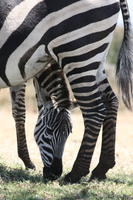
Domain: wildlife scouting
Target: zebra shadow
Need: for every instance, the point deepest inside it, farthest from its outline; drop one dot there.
(8, 174)
(122, 178)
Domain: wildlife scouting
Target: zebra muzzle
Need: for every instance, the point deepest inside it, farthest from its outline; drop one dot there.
(54, 171)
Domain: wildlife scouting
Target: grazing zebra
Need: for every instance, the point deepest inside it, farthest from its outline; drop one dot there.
(54, 122)
(76, 34)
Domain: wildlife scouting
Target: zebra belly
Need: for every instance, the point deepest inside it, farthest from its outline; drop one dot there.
(17, 75)
(21, 54)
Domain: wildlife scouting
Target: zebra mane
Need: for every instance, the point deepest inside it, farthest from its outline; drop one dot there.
(53, 80)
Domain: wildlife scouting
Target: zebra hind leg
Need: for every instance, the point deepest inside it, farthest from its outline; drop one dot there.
(107, 157)
(17, 94)
(94, 112)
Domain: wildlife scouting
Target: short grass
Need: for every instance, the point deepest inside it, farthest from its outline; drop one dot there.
(16, 183)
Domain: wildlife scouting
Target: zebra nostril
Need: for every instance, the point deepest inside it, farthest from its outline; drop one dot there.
(54, 171)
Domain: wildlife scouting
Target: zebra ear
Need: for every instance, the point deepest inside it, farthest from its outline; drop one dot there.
(42, 95)
(74, 104)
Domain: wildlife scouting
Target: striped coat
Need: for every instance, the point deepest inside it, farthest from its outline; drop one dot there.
(76, 34)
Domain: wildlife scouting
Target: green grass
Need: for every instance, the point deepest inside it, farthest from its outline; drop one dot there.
(16, 183)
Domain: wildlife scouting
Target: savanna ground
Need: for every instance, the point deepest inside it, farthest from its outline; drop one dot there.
(16, 183)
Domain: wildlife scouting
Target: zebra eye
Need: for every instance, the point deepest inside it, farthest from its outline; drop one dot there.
(49, 131)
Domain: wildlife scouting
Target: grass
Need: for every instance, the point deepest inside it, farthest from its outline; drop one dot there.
(16, 183)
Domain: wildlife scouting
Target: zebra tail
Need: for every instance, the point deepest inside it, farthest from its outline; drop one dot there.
(124, 67)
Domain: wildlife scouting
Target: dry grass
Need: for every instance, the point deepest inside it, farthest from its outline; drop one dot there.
(8, 150)
(16, 183)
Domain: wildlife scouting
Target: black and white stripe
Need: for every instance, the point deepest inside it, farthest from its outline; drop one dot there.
(34, 29)
(76, 34)
(54, 123)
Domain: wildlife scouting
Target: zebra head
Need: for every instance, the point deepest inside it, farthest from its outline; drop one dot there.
(51, 132)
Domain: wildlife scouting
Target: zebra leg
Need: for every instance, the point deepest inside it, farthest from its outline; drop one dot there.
(94, 112)
(17, 94)
(107, 157)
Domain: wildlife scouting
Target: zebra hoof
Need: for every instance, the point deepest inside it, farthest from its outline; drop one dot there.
(54, 171)
(71, 178)
(30, 166)
(98, 177)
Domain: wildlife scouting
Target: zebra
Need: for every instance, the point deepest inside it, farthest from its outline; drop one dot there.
(76, 34)
(54, 121)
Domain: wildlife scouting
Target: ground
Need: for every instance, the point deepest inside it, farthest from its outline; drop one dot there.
(8, 146)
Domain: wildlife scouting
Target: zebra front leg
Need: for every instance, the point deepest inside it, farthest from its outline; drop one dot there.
(107, 157)
(17, 94)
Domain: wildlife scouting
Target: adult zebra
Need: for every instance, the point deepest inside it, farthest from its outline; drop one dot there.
(76, 34)
(54, 123)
